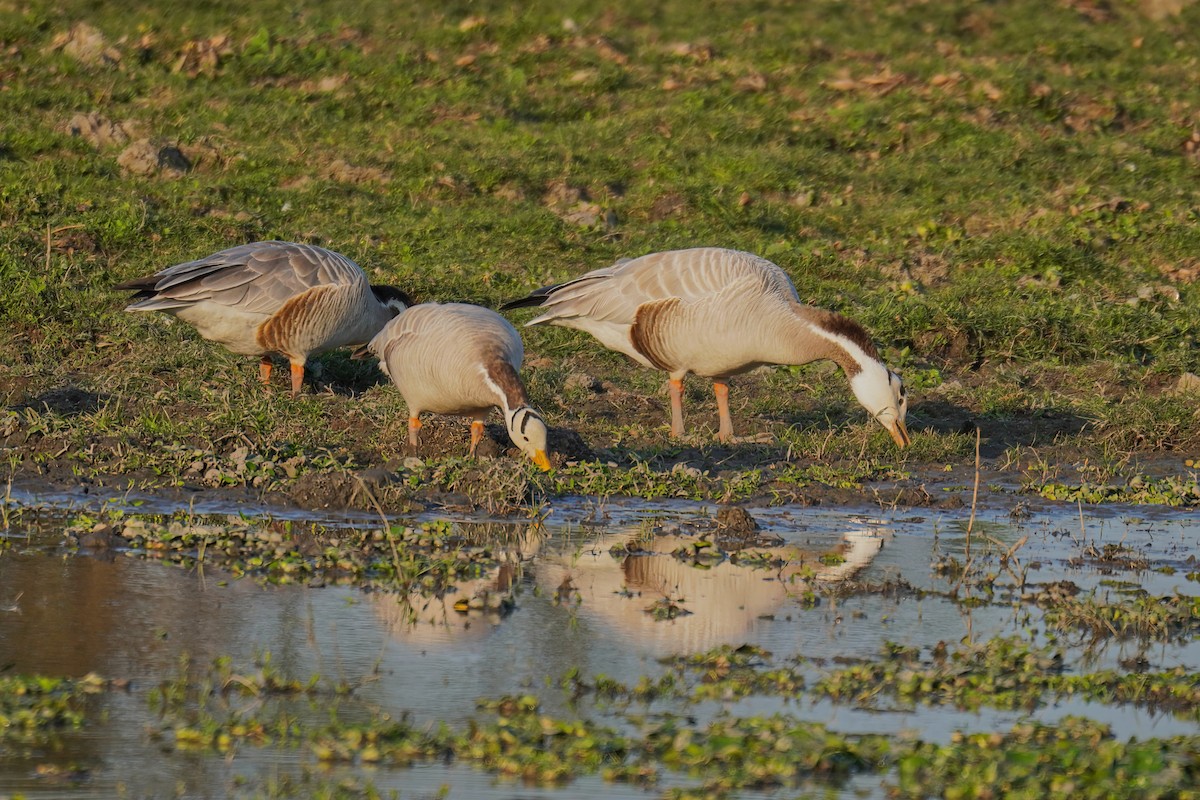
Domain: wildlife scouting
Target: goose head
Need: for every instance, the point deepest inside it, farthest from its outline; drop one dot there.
(391, 298)
(528, 433)
(881, 393)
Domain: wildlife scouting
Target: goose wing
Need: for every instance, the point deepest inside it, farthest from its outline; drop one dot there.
(450, 333)
(256, 278)
(614, 294)
(485, 331)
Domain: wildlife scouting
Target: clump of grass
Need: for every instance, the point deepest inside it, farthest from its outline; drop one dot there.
(1142, 617)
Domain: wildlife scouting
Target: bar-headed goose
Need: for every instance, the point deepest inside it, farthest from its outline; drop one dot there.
(461, 359)
(265, 298)
(717, 312)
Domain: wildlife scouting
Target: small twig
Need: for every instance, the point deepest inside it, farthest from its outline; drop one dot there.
(387, 525)
(974, 495)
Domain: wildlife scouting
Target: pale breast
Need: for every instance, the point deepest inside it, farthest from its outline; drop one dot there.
(225, 325)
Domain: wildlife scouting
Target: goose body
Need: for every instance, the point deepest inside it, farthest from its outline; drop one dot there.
(717, 313)
(463, 360)
(269, 298)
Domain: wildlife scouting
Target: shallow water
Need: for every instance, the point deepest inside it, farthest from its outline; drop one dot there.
(577, 607)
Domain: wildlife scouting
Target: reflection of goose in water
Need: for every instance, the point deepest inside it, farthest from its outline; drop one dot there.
(721, 603)
(474, 606)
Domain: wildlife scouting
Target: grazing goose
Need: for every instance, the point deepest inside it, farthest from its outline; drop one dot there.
(717, 313)
(272, 297)
(460, 359)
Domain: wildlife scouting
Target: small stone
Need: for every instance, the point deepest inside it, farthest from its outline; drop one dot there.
(581, 380)
(100, 537)
(98, 131)
(736, 519)
(86, 45)
(144, 157)
(1188, 383)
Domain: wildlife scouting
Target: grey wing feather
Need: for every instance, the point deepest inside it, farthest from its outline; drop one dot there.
(258, 277)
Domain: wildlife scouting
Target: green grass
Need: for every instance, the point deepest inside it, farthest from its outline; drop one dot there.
(1002, 194)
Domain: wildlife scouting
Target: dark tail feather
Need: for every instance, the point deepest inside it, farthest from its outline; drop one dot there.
(535, 298)
(142, 284)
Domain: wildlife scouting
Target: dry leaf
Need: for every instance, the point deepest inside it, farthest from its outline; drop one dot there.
(609, 52)
(342, 172)
(990, 91)
(202, 56)
(841, 84)
(702, 53)
(755, 82)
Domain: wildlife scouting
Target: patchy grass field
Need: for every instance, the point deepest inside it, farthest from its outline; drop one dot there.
(1005, 195)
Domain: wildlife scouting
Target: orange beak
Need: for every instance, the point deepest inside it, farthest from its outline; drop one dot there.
(899, 433)
(542, 460)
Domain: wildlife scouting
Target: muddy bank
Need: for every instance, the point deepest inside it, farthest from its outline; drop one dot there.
(343, 445)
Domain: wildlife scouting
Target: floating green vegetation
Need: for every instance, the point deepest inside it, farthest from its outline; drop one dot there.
(1076, 758)
(1172, 490)
(35, 706)
(729, 672)
(207, 709)
(1005, 674)
(514, 736)
(430, 559)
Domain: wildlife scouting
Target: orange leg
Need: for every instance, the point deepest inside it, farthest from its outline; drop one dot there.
(476, 435)
(676, 387)
(721, 390)
(414, 425)
(297, 377)
(264, 370)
